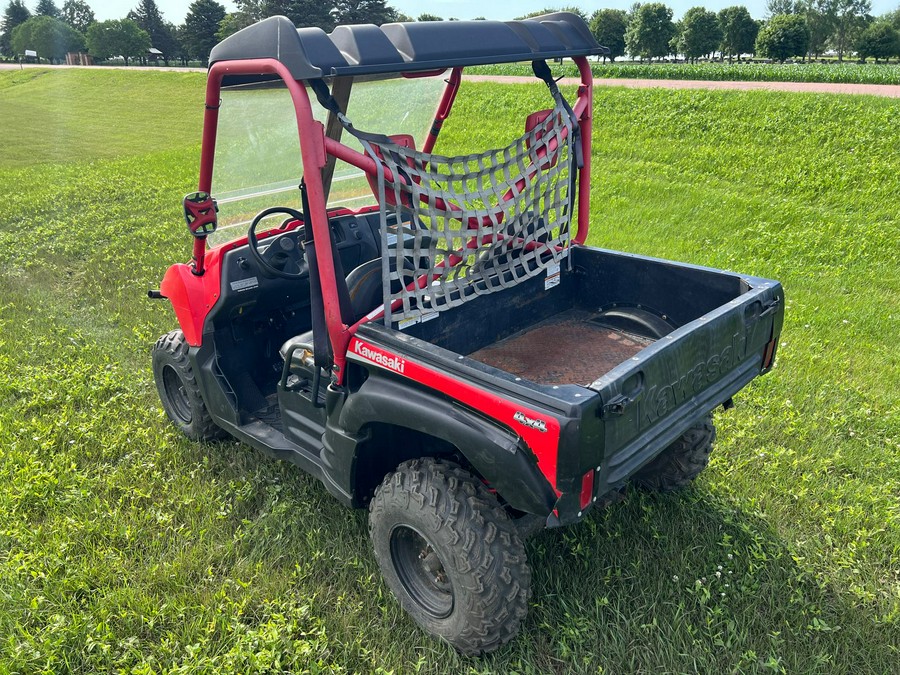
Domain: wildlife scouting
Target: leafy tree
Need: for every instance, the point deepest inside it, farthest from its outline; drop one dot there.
(428, 17)
(552, 10)
(850, 20)
(148, 17)
(16, 14)
(650, 32)
(253, 9)
(608, 27)
(117, 37)
(820, 17)
(78, 14)
(50, 38)
(201, 24)
(784, 36)
(47, 8)
(699, 33)
(892, 18)
(232, 23)
(304, 13)
(364, 11)
(779, 7)
(739, 31)
(879, 41)
(248, 12)
(183, 44)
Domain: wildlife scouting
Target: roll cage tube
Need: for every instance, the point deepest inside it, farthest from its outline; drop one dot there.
(316, 147)
(311, 135)
(444, 108)
(583, 109)
(585, 115)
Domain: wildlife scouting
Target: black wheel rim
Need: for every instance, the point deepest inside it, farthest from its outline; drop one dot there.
(177, 395)
(421, 571)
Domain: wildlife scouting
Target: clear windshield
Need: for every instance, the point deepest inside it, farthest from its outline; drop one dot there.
(258, 163)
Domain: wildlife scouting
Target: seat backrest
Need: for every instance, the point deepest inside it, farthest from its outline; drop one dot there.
(366, 289)
(364, 284)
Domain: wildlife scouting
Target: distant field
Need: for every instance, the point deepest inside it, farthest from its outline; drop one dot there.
(844, 73)
(74, 115)
(125, 548)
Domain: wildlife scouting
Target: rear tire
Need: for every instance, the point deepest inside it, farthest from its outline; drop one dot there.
(450, 554)
(681, 462)
(178, 389)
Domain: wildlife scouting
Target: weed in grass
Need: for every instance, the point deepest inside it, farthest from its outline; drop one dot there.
(125, 548)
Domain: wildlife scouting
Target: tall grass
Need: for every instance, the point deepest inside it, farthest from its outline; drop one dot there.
(845, 73)
(125, 548)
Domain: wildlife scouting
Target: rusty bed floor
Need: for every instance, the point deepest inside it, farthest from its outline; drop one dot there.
(568, 348)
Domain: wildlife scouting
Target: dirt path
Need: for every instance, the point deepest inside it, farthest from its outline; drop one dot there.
(148, 69)
(889, 90)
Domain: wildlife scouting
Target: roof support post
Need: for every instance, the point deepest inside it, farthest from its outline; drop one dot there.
(584, 107)
(312, 149)
(340, 91)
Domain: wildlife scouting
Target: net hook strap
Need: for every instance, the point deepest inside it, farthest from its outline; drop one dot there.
(542, 71)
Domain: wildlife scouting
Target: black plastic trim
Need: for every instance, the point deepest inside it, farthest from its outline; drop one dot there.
(310, 53)
(495, 452)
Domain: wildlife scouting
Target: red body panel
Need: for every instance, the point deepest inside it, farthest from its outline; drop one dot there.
(543, 442)
(192, 295)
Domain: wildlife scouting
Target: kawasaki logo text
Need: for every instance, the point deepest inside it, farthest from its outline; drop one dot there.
(383, 359)
(660, 400)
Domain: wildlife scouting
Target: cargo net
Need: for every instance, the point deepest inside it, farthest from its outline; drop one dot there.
(473, 224)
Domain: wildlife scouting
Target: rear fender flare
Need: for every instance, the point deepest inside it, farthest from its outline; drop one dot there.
(498, 454)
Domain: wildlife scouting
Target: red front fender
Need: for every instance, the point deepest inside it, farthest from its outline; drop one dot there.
(193, 296)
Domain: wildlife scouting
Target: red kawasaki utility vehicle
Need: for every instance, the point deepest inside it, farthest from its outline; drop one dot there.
(428, 334)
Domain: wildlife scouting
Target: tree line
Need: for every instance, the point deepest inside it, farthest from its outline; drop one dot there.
(53, 31)
(795, 28)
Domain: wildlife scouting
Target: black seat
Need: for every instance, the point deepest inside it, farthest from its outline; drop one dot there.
(364, 285)
(365, 288)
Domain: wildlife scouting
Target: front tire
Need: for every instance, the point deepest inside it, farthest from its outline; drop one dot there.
(680, 463)
(450, 554)
(179, 391)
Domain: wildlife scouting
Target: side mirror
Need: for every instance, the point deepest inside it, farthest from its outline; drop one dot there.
(200, 213)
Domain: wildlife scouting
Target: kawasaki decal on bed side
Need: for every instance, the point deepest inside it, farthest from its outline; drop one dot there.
(540, 432)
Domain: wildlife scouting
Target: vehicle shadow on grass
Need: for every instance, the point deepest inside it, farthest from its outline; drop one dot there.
(688, 582)
(691, 582)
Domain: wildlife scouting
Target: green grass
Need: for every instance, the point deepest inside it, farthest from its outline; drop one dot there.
(77, 115)
(852, 73)
(125, 548)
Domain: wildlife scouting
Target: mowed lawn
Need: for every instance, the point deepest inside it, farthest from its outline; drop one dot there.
(125, 548)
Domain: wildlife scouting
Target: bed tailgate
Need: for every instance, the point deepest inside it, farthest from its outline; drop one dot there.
(653, 398)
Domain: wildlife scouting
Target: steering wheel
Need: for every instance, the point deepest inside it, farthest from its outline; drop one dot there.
(283, 252)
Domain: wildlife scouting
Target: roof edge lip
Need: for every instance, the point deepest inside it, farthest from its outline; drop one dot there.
(310, 53)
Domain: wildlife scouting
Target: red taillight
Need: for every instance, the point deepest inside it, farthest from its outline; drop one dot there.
(587, 489)
(769, 354)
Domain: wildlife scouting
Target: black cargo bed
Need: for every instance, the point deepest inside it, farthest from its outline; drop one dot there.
(572, 347)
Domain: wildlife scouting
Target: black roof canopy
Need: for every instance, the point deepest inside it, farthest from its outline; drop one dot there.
(310, 53)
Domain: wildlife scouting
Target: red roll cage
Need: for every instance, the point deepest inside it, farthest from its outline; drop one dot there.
(316, 147)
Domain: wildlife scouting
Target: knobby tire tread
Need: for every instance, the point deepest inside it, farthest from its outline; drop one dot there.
(681, 462)
(487, 555)
(173, 347)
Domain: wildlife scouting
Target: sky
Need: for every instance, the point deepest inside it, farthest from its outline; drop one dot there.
(175, 10)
